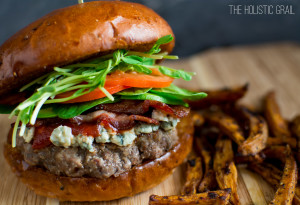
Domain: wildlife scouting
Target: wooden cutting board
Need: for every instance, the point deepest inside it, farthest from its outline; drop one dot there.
(265, 67)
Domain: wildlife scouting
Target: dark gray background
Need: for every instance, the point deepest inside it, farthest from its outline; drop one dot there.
(197, 24)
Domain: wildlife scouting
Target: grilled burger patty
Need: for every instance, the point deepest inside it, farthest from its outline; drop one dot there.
(107, 160)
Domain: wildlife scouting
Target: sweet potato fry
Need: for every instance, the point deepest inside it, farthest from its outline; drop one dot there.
(227, 125)
(219, 97)
(295, 126)
(276, 152)
(257, 133)
(204, 149)
(295, 129)
(198, 119)
(240, 159)
(273, 175)
(209, 180)
(194, 175)
(220, 197)
(226, 172)
(277, 125)
(286, 188)
(275, 141)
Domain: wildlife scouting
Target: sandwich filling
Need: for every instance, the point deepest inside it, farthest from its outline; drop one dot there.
(100, 117)
(99, 151)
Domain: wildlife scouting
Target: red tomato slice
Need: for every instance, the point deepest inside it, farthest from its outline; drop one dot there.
(138, 80)
(95, 94)
(119, 80)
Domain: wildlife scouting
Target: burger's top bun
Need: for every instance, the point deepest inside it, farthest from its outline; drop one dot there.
(75, 33)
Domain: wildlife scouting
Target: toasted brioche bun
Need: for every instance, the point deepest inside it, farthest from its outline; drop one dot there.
(76, 33)
(138, 179)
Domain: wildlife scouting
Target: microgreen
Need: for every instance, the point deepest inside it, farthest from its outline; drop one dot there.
(176, 73)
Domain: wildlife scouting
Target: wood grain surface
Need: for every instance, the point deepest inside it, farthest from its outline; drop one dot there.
(264, 67)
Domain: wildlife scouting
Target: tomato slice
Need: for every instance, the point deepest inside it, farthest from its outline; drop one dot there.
(119, 81)
(95, 94)
(138, 80)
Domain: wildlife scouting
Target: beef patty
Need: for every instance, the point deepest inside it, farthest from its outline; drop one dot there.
(108, 159)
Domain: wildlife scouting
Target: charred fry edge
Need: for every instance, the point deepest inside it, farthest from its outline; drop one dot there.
(209, 180)
(226, 172)
(258, 133)
(213, 197)
(194, 175)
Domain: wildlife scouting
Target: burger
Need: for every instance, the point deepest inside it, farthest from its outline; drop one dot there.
(97, 118)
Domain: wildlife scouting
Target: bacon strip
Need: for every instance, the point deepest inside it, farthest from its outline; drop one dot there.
(129, 111)
(137, 107)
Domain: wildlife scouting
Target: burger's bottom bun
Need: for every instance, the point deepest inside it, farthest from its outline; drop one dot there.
(138, 179)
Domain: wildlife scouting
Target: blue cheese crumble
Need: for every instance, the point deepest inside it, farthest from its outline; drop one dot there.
(28, 135)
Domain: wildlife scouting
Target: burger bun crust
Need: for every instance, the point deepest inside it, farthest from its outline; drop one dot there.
(76, 33)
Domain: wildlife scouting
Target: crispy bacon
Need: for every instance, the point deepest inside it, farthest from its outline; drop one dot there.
(41, 137)
(117, 117)
(123, 122)
(134, 107)
(137, 107)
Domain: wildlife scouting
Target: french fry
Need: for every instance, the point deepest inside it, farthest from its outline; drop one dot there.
(295, 129)
(277, 125)
(286, 188)
(273, 175)
(257, 135)
(227, 125)
(220, 197)
(198, 119)
(226, 172)
(194, 175)
(276, 152)
(295, 126)
(204, 149)
(240, 159)
(208, 182)
(275, 141)
(219, 97)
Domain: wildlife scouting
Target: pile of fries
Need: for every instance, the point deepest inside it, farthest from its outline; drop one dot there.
(228, 133)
